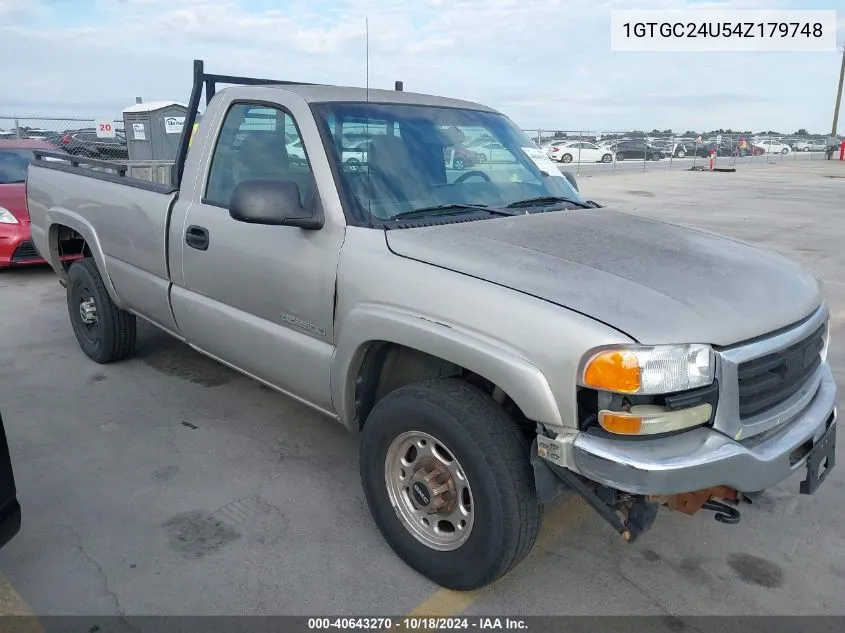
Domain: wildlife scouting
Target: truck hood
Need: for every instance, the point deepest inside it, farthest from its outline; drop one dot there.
(13, 198)
(654, 281)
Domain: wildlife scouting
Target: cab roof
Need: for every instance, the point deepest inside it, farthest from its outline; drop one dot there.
(328, 94)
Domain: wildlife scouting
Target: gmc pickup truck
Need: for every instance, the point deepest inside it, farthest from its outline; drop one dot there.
(496, 339)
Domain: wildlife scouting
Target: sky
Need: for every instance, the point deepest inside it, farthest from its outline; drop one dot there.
(547, 64)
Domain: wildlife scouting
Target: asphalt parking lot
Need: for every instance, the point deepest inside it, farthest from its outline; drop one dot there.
(168, 484)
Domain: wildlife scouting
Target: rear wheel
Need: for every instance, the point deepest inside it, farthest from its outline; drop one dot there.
(104, 332)
(566, 158)
(785, 150)
(448, 480)
(607, 158)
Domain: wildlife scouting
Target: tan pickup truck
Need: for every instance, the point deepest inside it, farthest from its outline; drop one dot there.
(495, 338)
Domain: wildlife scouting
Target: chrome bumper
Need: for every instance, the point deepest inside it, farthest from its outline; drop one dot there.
(703, 458)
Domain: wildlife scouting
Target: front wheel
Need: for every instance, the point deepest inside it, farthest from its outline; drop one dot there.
(448, 480)
(105, 332)
(785, 150)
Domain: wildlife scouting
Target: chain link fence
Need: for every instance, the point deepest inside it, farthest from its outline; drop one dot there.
(579, 151)
(86, 138)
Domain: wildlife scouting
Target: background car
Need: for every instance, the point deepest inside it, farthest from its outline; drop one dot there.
(87, 144)
(16, 247)
(460, 158)
(580, 151)
(638, 150)
(812, 145)
(774, 147)
(489, 150)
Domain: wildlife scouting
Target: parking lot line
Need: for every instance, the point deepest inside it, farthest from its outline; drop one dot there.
(16, 616)
(448, 603)
(11, 602)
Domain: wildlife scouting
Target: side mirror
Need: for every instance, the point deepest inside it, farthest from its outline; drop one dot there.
(273, 202)
(571, 178)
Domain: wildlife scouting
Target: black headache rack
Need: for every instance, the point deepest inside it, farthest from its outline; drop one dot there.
(204, 80)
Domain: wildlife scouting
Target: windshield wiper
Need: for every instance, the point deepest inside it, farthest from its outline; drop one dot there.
(448, 209)
(540, 201)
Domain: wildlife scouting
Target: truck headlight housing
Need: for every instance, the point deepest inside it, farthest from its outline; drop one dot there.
(649, 370)
(6, 217)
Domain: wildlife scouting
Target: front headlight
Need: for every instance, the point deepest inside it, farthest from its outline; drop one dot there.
(6, 217)
(639, 369)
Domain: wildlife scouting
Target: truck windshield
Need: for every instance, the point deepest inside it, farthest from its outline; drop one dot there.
(398, 159)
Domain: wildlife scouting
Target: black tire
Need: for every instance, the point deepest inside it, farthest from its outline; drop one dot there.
(494, 456)
(785, 150)
(680, 154)
(620, 156)
(566, 158)
(607, 158)
(458, 164)
(112, 337)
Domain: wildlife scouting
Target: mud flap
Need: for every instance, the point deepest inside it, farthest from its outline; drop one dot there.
(548, 485)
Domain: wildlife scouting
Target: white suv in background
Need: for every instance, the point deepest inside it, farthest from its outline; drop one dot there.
(774, 147)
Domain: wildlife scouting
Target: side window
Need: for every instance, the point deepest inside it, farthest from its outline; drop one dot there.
(256, 142)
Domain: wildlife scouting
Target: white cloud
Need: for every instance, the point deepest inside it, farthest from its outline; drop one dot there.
(546, 63)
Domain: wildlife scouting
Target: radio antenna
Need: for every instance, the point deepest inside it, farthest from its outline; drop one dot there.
(367, 38)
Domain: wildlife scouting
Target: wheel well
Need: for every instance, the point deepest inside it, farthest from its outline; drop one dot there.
(389, 366)
(68, 242)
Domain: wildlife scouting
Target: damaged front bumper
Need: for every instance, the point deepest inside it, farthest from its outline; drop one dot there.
(627, 480)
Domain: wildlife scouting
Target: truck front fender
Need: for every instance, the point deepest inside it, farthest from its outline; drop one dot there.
(57, 217)
(491, 359)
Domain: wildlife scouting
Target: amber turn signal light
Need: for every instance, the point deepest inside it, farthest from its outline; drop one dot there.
(614, 370)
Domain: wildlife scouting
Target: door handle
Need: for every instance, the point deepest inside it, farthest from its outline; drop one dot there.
(197, 237)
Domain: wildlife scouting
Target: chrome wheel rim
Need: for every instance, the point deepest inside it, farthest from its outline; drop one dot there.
(429, 491)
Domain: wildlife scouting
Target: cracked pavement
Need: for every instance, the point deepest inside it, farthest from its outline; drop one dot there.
(168, 484)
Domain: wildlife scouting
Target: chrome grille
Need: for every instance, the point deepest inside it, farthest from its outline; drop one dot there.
(768, 382)
(764, 383)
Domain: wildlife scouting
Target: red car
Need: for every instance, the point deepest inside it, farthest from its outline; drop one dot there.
(16, 249)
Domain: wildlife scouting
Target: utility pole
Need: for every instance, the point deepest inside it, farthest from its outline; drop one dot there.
(838, 98)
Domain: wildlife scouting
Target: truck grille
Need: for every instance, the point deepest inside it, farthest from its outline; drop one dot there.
(25, 252)
(768, 381)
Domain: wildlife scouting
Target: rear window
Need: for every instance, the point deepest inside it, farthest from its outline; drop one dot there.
(13, 164)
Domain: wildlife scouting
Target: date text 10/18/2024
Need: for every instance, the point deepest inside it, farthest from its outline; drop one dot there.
(717, 30)
(420, 623)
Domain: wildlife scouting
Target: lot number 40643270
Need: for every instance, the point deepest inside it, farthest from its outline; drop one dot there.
(105, 129)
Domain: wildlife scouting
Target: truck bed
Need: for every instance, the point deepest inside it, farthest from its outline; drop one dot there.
(123, 219)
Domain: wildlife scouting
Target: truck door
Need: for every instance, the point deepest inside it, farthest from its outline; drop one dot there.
(259, 297)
